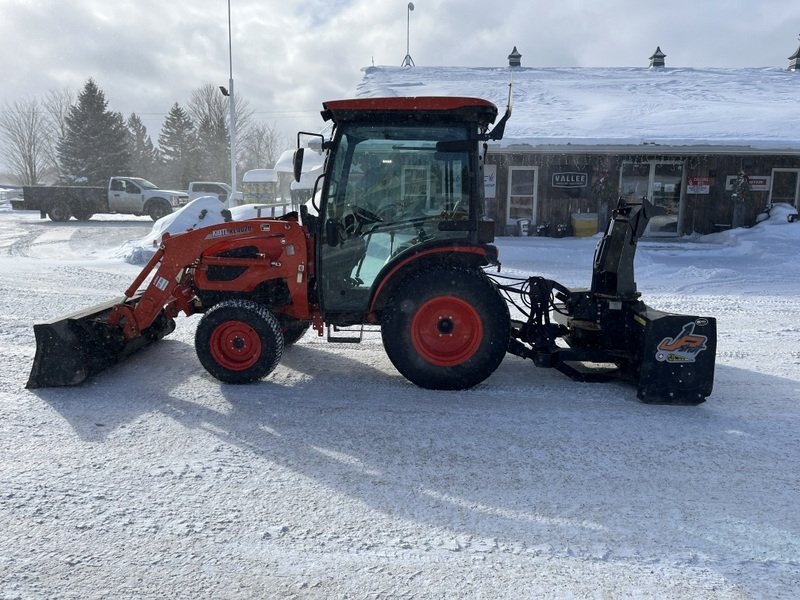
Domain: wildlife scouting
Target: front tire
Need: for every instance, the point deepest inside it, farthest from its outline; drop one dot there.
(446, 328)
(239, 341)
(82, 214)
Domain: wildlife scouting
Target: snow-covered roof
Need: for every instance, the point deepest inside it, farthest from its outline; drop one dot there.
(260, 176)
(756, 107)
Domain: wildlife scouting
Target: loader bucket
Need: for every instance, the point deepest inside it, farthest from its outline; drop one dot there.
(70, 349)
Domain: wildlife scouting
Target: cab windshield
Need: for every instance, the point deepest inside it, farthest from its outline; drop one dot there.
(144, 183)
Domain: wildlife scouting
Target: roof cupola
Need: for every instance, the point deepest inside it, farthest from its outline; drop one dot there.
(794, 60)
(657, 59)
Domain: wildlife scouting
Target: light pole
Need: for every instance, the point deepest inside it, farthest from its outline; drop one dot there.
(231, 107)
(408, 61)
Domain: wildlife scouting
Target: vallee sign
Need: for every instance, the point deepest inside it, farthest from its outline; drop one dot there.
(570, 180)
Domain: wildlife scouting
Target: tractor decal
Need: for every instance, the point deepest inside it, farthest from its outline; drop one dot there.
(217, 233)
(683, 348)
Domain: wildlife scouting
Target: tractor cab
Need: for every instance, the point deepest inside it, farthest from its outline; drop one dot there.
(403, 176)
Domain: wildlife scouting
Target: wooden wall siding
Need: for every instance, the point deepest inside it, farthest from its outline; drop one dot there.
(702, 213)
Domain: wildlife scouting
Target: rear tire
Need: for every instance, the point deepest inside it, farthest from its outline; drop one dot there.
(446, 328)
(59, 213)
(239, 341)
(158, 209)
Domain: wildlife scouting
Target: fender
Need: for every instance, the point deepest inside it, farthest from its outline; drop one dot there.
(460, 252)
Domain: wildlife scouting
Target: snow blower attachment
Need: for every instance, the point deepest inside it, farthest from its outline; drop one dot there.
(608, 332)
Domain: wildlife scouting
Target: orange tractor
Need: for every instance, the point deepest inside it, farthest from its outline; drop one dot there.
(395, 236)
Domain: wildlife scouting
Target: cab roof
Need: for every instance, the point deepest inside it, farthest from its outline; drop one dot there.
(420, 108)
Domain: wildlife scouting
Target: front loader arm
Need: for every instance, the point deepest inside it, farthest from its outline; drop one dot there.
(168, 290)
(279, 252)
(74, 347)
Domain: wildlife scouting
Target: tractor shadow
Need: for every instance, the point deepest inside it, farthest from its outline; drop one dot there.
(528, 461)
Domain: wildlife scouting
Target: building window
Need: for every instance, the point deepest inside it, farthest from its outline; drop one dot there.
(785, 187)
(522, 194)
(661, 182)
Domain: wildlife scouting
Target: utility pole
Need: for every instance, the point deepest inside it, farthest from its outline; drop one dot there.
(231, 107)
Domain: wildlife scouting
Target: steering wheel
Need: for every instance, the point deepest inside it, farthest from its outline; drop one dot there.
(365, 216)
(354, 221)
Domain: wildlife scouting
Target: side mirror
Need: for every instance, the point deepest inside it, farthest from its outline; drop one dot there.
(297, 163)
(332, 229)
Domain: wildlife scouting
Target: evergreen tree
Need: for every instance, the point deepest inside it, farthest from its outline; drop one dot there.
(144, 156)
(94, 146)
(213, 151)
(177, 147)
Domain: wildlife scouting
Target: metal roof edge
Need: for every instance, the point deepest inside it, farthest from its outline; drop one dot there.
(647, 148)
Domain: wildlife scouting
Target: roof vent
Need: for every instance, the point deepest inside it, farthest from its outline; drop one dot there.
(794, 60)
(515, 58)
(657, 60)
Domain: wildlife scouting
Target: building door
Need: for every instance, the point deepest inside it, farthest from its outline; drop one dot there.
(785, 187)
(661, 182)
(522, 201)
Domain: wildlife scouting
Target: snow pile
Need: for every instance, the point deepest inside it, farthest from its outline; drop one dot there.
(723, 260)
(201, 212)
(6, 194)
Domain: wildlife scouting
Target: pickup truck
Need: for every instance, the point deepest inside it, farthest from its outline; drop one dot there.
(222, 191)
(127, 195)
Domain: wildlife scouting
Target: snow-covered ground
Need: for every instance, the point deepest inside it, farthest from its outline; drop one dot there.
(336, 478)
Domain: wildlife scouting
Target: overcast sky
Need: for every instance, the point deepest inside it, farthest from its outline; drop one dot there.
(290, 55)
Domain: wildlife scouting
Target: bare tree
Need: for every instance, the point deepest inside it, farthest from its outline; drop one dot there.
(57, 104)
(207, 103)
(209, 111)
(23, 125)
(262, 146)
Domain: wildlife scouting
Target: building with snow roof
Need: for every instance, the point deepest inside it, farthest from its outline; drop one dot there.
(711, 148)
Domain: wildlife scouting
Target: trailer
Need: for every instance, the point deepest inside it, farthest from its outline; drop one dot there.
(126, 195)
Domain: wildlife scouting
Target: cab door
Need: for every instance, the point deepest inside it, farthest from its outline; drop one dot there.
(392, 189)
